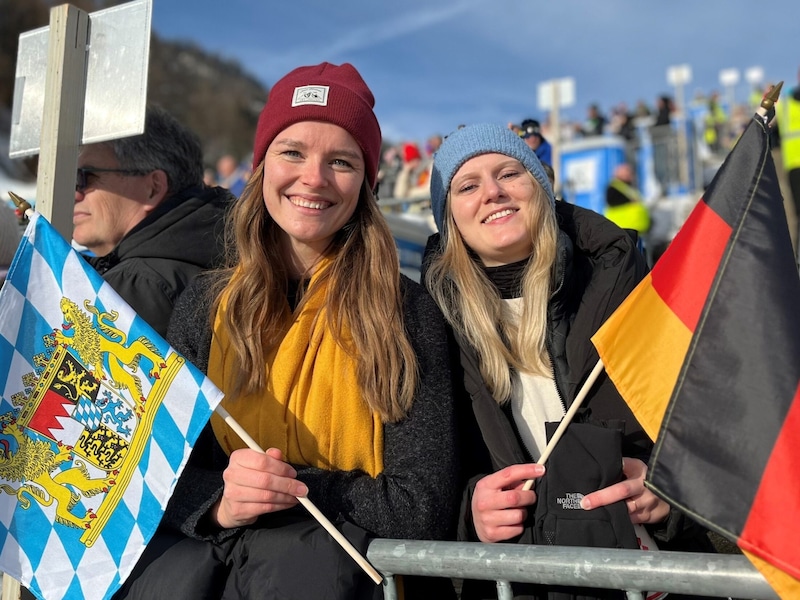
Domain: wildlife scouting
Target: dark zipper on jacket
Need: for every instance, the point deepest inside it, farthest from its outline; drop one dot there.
(555, 377)
(548, 343)
(513, 422)
(549, 349)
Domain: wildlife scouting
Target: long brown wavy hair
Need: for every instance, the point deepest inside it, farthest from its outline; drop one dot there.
(363, 294)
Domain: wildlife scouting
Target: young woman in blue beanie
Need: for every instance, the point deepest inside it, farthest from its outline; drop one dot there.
(328, 357)
(525, 281)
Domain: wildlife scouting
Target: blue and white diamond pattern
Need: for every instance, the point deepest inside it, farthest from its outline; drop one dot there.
(46, 556)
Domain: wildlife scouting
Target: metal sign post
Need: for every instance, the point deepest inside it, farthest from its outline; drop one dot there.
(754, 77)
(81, 80)
(553, 95)
(680, 76)
(729, 79)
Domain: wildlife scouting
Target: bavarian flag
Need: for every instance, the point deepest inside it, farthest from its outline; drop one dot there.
(98, 416)
(706, 351)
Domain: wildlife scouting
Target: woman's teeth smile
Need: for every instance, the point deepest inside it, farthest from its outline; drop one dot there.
(317, 205)
(498, 215)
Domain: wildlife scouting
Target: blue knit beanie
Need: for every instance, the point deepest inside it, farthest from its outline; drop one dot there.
(469, 142)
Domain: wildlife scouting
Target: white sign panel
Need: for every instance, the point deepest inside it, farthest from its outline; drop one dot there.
(728, 77)
(679, 75)
(754, 75)
(116, 78)
(564, 88)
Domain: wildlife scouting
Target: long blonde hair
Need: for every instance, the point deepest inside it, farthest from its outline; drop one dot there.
(363, 293)
(471, 304)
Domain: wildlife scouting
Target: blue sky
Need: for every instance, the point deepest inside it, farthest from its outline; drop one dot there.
(433, 64)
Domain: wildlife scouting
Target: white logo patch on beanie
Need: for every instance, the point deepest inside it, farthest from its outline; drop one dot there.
(310, 94)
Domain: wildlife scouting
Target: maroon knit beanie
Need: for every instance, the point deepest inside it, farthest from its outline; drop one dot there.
(332, 93)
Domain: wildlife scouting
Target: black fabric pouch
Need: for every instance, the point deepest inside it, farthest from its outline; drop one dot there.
(587, 458)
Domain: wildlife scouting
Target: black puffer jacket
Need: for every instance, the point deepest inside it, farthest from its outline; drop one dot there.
(158, 258)
(598, 265)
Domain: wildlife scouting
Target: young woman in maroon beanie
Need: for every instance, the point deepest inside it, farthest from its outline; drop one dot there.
(328, 357)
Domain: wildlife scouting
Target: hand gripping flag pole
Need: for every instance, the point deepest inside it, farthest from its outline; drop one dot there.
(309, 506)
(562, 427)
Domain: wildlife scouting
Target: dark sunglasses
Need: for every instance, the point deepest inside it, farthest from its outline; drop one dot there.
(81, 180)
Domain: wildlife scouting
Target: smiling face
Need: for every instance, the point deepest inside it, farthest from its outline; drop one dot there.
(491, 199)
(313, 174)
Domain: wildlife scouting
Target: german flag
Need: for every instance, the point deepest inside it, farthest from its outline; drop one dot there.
(706, 351)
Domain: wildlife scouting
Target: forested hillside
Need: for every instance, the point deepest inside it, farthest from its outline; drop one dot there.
(210, 94)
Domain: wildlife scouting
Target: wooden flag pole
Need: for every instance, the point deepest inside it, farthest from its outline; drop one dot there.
(310, 507)
(562, 427)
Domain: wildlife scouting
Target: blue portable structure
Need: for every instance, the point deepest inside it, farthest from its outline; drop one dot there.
(586, 169)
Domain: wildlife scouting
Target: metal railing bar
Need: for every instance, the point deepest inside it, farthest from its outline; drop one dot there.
(719, 575)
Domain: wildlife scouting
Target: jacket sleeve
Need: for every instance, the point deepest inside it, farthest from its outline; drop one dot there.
(466, 524)
(200, 484)
(144, 290)
(416, 495)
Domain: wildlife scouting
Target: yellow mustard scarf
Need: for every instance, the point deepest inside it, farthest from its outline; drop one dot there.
(312, 408)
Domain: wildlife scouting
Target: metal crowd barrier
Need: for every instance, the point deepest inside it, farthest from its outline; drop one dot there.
(634, 571)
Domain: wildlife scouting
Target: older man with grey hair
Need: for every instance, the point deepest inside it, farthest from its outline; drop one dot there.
(145, 215)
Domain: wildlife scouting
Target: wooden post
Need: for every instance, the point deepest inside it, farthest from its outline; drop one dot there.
(11, 588)
(62, 118)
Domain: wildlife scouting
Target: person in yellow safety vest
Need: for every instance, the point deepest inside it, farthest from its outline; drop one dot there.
(788, 114)
(756, 96)
(714, 124)
(624, 204)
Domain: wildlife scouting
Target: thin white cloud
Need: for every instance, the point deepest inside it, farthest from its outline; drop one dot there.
(432, 65)
(396, 27)
(366, 36)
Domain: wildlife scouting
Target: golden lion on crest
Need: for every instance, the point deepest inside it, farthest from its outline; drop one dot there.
(93, 345)
(39, 467)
